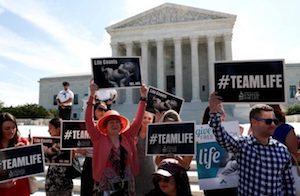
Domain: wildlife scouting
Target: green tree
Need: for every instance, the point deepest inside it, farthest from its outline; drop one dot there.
(293, 109)
(28, 111)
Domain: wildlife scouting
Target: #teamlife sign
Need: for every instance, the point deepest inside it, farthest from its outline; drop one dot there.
(117, 72)
(216, 168)
(250, 81)
(52, 151)
(160, 101)
(176, 138)
(21, 162)
(74, 135)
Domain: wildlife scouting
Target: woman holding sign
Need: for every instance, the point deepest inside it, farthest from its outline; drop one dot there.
(9, 138)
(114, 151)
(143, 181)
(57, 182)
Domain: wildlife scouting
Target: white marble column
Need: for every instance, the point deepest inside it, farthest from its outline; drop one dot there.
(114, 49)
(195, 69)
(211, 58)
(144, 66)
(129, 100)
(228, 49)
(115, 52)
(178, 67)
(160, 64)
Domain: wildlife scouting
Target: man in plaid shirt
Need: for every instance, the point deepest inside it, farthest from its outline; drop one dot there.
(264, 163)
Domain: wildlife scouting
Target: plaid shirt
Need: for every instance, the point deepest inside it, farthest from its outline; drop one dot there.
(263, 169)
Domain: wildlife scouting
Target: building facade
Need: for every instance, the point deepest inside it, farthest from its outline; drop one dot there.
(178, 46)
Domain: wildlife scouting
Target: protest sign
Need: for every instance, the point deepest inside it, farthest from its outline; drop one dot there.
(74, 135)
(250, 81)
(117, 72)
(21, 162)
(161, 101)
(216, 168)
(176, 138)
(52, 152)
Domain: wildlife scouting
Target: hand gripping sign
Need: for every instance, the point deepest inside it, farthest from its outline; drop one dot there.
(21, 162)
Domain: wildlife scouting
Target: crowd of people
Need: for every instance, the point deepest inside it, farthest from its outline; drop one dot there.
(118, 166)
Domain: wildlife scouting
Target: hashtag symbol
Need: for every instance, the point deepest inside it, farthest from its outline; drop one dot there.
(68, 134)
(223, 82)
(153, 138)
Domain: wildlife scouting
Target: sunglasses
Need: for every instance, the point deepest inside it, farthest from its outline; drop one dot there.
(101, 109)
(268, 121)
(159, 178)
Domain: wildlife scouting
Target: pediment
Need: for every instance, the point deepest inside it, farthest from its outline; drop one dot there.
(169, 13)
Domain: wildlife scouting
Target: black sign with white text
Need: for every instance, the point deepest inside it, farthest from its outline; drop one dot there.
(176, 138)
(52, 152)
(117, 72)
(74, 135)
(250, 81)
(21, 162)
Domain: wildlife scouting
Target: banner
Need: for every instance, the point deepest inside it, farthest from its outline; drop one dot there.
(74, 135)
(52, 152)
(161, 101)
(176, 138)
(216, 168)
(21, 162)
(250, 81)
(117, 72)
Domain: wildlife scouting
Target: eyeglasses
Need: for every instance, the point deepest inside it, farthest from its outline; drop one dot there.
(268, 121)
(159, 178)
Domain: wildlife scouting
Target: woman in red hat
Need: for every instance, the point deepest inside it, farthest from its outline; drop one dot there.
(114, 152)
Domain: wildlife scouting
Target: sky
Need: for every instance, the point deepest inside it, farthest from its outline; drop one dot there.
(44, 38)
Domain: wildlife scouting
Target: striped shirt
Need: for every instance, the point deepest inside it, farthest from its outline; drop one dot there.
(263, 169)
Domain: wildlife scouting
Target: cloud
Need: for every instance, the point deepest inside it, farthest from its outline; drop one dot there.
(16, 94)
(75, 41)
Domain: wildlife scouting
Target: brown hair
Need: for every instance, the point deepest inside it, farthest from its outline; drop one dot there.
(279, 114)
(257, 109)
(170, 115)
(5, 116)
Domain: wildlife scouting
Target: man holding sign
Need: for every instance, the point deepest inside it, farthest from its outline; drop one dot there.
(264, 164)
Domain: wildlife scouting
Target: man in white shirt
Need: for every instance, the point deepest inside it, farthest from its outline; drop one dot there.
(106, 95)
(64, 101)
(297, 95)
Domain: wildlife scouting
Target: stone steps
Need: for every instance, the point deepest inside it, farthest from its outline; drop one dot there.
(192, 173)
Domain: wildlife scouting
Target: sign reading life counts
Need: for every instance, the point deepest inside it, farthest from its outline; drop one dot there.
(74, 135)
(117, 72)
(250, 81)
(175, 138)
(21, 162)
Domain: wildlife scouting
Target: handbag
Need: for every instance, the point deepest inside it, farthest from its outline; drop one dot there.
(33, 184)
(74, 171)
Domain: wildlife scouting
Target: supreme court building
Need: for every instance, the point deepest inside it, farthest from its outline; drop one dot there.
(178, 46)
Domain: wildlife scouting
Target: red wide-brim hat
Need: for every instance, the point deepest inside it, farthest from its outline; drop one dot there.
(102, 122)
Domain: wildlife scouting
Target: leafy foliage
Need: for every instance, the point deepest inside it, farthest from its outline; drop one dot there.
(29, 111)
(293, 109)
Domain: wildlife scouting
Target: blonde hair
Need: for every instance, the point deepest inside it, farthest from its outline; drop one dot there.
(170, 115)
